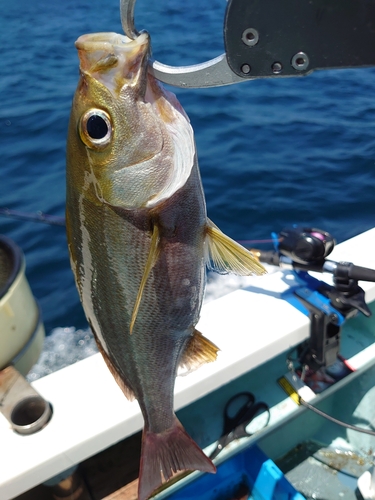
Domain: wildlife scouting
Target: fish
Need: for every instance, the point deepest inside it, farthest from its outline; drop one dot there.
(140, 241)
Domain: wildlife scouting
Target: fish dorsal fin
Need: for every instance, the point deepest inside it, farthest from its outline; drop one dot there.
(199, 350)
(224, 255)
(151, 260)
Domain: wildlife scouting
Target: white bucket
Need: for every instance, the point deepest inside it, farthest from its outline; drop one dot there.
(21, 328)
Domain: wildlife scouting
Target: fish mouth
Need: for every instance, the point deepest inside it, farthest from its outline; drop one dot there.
(106, 41)
(113, 59)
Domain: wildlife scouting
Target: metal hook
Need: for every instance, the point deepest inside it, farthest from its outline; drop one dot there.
(127, 18)
(213, 73)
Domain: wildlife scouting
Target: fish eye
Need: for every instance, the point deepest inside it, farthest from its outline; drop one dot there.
(95, 128)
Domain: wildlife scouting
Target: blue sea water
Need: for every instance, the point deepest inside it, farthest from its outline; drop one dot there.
(272, 152)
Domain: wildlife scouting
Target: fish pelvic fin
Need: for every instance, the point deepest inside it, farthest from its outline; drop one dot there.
(224, 255)
(199, 350)
(165, 453)
(151, 261)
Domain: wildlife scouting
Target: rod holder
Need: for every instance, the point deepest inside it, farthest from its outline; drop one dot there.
(24, 408)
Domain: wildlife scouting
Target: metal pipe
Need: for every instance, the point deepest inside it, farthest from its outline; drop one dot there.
(24, 408)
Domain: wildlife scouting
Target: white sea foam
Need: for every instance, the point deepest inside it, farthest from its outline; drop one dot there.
(222, 284)
(63, 347)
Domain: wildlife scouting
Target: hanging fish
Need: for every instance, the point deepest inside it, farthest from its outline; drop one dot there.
(139, 239)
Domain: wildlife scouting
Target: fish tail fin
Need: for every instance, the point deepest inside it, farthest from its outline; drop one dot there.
(165, 453)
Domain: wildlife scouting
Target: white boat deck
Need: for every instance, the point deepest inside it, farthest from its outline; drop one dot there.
(90, 413)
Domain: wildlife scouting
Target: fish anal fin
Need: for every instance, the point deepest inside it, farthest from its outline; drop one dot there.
(151, 260)
(199, 350)
(165, 453)
(129, 394)
(225, 255)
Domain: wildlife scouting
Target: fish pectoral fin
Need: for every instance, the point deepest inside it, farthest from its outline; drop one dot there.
(199, 350)
(224, 255)
(151, 261)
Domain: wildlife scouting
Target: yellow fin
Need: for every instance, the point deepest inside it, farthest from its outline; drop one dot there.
(199, 350)
(224, 255)
(151, 260)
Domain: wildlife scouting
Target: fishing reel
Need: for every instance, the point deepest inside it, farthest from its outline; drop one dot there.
(303, 249)
(303, 245)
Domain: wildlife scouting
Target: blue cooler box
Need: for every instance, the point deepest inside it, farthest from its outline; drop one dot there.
(249, 474)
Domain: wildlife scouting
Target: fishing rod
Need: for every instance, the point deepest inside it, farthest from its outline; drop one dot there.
(52, 220)
(55, 220)
(304, 249)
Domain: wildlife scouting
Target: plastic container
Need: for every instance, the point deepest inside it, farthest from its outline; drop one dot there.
(249, 474)
(21, 328)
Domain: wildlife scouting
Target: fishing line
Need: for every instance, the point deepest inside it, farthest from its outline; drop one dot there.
(335, 420)
(52, 220)
(250, 242)
(55, 220)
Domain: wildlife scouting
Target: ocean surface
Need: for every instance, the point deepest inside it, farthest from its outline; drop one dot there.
(272, 152)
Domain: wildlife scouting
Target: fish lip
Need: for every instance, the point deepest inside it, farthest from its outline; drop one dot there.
(110, 40)
(115, 60)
